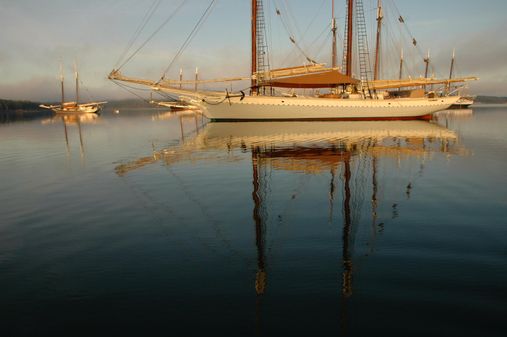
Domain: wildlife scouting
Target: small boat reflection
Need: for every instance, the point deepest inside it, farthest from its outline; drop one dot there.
(173, 114)
(71, 119)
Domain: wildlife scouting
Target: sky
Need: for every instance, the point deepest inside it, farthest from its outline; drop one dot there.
(38, 35)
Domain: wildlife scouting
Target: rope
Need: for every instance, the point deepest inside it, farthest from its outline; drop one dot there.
(153, 34)
(227, 96)
(292, 39)
(189, 38)
(127, 88)
(146, 18)
(413, 39)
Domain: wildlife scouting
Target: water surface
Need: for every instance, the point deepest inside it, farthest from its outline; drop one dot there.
(151, 223)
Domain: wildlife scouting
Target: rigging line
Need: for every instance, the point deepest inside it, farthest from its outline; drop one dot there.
(165, 95)
(82, 85)
(292, 38)
(325, 42)
(325, 32)
(292, 18)
(216, 224)
(402, 21)
(137, 33)
(154, 33)
(314, 19)
(278, 232)
(185, 44)
(154, 207)
(131, 87)
(126, 88)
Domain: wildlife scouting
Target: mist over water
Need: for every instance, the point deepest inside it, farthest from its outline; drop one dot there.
(154, 223)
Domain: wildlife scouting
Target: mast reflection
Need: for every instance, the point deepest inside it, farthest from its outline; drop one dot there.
(313, 149)
(69, 120)
(261, 277)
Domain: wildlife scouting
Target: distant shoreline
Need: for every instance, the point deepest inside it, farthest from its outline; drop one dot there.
(12, 110)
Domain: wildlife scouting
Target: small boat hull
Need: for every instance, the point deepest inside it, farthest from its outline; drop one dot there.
(78, 110)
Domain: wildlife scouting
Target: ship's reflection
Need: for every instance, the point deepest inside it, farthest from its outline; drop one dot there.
(312, 149)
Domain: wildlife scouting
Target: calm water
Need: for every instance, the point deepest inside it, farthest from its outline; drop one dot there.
(146, 223)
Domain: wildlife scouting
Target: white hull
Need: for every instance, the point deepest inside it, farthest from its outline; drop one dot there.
(73, 109)
(462, 103)
(78, 110)
(177, 106)
(252, 108)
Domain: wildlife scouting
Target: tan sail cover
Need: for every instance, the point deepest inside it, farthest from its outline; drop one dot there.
(326, 79)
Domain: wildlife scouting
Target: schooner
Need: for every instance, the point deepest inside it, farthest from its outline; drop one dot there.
(349, 99)
(73, 107)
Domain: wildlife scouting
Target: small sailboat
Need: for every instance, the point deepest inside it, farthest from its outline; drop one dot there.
(73, 107)
(175, 105)
(465, 101)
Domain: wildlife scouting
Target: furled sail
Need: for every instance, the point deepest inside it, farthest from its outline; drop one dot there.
(416, 82)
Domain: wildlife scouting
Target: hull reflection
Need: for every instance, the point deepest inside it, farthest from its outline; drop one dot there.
(302, 140)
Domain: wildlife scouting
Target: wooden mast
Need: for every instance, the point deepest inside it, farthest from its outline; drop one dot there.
(380, 17)
(333, 30)
(253, 90)
(196, 78)
(77, 83)
(401, 64)
(427, 66)
(451, 73)
(61, 83)
(350, 22)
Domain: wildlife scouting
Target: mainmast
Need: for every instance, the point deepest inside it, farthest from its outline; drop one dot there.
(349, 29)
(333, 30)
(380, 17)
(253, 90)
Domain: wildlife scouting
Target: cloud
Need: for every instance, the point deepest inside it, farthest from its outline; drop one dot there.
(37, 88)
